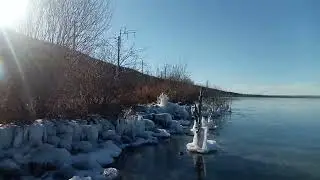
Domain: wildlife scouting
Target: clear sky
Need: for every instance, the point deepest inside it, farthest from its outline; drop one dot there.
(247, 46)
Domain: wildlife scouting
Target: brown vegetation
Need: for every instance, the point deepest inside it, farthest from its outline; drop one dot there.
(40, 79)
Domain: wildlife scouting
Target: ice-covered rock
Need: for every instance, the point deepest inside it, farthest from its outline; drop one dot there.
(104, 156)
(8, 166)
(161, 133)
(85, 162)
(176, 127)
(111, 135)
(115, 151)
(6, 136)
(76, 130)
(18, 138)
(204, 146)
(90, 132)
(65, 141)
(163, 119)
(184, 122)
(49, 155)
(110, 173)
(82, 146)
(53, 140)
(149, 125)
(36, 132)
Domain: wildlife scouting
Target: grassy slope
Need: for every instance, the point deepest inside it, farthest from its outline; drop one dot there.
(40, 79)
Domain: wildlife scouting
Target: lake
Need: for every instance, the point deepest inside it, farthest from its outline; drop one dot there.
(264, 138)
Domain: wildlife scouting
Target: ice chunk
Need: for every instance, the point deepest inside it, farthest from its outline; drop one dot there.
(80, 178)
(111, 173)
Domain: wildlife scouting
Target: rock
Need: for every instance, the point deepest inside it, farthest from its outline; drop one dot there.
(6, 136)
(149, 125)
(53, 140)
(82, 146)
(111, 173)
(175, 127)
(163, 119)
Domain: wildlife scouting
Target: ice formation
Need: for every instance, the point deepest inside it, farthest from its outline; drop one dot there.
(202, 145)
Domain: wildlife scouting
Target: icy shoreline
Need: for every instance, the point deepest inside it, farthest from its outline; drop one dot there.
(64, 149)
(82, 148)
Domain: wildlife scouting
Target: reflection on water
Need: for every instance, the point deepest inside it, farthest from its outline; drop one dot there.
(262, 139)
(200, 166)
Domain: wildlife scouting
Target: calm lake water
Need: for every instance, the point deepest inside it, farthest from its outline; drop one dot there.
(264, 138)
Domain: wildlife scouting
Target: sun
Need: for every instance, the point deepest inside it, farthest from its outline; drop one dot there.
(11, 11)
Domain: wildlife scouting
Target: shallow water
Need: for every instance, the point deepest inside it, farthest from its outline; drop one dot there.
(262, 139)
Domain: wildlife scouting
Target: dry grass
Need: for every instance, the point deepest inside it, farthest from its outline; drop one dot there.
(44, 80)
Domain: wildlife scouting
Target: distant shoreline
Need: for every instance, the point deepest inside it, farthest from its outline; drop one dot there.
(277, 96)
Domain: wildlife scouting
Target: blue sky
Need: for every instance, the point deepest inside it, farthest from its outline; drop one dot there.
(247, 46)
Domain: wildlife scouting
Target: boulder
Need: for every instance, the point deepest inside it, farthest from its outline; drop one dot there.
(82, 146)
(111, 173)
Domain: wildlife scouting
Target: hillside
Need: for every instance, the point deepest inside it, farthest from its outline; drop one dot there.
(40, 79)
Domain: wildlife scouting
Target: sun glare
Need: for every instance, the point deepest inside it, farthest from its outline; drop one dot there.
(11, 11)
